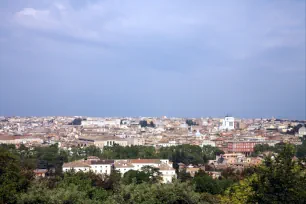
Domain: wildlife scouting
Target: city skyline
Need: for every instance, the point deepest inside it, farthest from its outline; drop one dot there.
(174, 58)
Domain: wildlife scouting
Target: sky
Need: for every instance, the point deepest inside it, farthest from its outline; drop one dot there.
(177, 58)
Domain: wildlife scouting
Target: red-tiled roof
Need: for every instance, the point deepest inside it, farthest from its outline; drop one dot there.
(145, 161)
(75, 164)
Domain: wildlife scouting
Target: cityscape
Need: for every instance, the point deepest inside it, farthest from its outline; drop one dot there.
(210, 153)
(152, 102)
(229, 134)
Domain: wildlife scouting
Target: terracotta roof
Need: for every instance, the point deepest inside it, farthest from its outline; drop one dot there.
(145, 161)
(189, 169)
(93, 157)
(38, 171)
(102, 162)
(123, 164)
(75, 164)
(165, 167)
(2, 137)
(8, 137)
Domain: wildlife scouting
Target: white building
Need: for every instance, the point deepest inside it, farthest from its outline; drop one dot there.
(95, 165)
(302, 131)
(105, 166)
(208, 142)
(4, 139)
(136, 141)
(167, 144)
(228, 123)
(164, 166)
(123, 166)
(76, 166)
(102, 166)
(167, 172)
(139, 163)
(88, 122)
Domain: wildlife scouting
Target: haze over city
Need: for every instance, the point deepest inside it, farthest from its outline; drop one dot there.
(153, 58)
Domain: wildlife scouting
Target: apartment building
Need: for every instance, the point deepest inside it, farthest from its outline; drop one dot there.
(124, 165)
(94, 165)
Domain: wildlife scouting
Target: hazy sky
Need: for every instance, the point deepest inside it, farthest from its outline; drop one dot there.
(152, 58)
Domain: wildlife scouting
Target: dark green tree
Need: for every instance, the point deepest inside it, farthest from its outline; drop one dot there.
(13, 179)
(183, 176)
(152, 173)
(143, 123)
(137, 177)
(279, 180)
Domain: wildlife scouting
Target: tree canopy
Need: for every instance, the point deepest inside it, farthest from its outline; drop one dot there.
(280, 179)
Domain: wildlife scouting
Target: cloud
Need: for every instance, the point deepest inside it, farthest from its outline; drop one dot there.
(32, 18)
(56, 19)
(201, 55)
(237, 30)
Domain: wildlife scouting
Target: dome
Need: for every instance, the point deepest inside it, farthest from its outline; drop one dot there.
(302, 130)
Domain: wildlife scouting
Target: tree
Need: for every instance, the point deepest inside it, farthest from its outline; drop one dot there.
(143, 123)
(152, 124)
(93, 151)
(190, 122)
(152, 173)
(52, 157)
(71, 193)
(137, 177)
(112, 181)
(209, 152)
(278, 180)
(183, 176)
(176, 192)
(205, 183)
(13, 179)
(77, 121)
(301, 150)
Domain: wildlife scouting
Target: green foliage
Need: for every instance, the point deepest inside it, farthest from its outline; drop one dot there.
(153, 173)
(278, 180)
(294, 129)
(205, 183)
(52, 156)
(132, 152)
(240, 193)
(77, 121)
(301, 150)
(112, 181)
(144, 123)
(137, 177)
(158, 193)
(190, 122)
(72, 188)
(147, 174)
(261, 148)
(13, 179)
(189, 154)
(183, 176)
(209, 152)
(39, 193)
